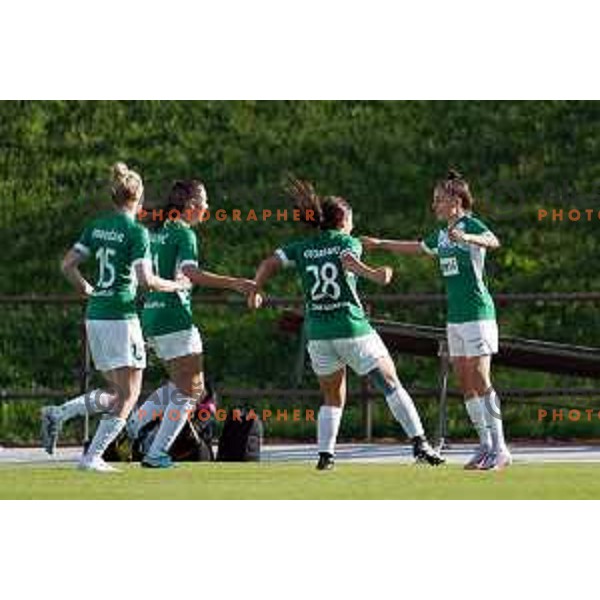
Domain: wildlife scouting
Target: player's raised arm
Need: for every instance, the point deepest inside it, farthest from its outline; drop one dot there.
(395, 246)
(70, 268)
(485, 240)
(379, 275)
(266, 270)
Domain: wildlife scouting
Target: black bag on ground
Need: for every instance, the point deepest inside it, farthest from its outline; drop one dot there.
(241, 438)
(193, 444)
(120, 450)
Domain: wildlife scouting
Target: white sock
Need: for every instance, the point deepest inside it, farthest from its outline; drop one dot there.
(151, 409)
(89, 403)
(493, 418)
(328, 426)
(108, 430)
(476, 411)
(404, 411)
(176, 414)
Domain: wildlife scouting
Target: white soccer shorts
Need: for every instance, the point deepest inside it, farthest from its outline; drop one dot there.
(176, 344)
(116, 344)
(475, 338)
(361, 354)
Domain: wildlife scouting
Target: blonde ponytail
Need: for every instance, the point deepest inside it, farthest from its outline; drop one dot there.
(127, 185)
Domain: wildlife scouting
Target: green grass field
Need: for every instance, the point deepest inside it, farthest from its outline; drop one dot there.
(301, 481)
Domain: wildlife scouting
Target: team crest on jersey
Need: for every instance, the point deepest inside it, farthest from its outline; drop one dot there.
(444, 241)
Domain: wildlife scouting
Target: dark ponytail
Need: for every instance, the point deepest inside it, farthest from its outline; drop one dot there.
(181, 194)
(322, 213)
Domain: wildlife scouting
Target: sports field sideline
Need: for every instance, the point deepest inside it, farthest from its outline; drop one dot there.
(363, 471)
(352, 453)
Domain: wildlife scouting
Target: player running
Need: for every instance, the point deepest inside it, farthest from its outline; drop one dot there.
(338, 331)
(167, 318)
(120, 246)
(460, 247)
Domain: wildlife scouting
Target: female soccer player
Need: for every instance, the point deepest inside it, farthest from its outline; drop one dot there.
(167, 318)
(338, 331)
(121, 248)
(460, 247)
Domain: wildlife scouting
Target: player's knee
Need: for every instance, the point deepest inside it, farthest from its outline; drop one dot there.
(194, 390)
(383, 382)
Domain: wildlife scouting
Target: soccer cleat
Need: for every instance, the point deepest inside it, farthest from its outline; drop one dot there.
(51, 426)
(478, 459)
(424, 453)
(496, 461)
(326, 462)
(96, 464)
(160, 461)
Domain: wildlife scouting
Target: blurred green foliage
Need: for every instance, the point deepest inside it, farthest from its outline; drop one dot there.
(383, 156)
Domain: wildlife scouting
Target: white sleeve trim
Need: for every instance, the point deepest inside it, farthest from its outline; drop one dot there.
(428, 250)
(489, 235)
(79, 247)
(188, 263)
(285, 261)
(349, 252)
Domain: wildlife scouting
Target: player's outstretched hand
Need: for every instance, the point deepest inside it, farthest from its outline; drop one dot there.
(255, 300)
(184, 283)
(457, 235)
(384, 275)
(87, 291)
(245, 286)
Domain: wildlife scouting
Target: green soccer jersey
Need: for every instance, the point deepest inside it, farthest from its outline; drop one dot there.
(332, 307)
(173, 246)
(462, 267)
(118, 242)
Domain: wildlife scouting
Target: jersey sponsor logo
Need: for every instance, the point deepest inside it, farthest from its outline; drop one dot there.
(103, 293)
(153, 304)
(328, 307)
(449, 266)
(108, 235)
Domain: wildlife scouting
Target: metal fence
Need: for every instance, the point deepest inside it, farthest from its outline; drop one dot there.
(563, 397)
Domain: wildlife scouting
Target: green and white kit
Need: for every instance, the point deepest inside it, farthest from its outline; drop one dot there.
(337, 327)
(167, 317)
(118, 243)
(471, 318)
